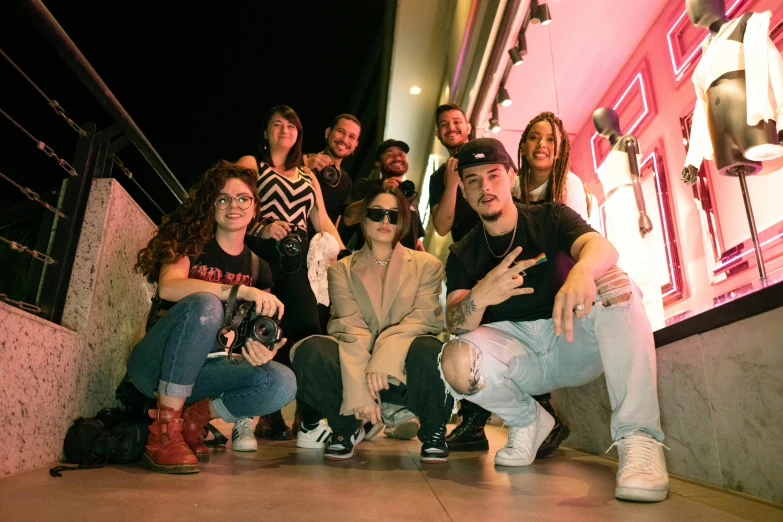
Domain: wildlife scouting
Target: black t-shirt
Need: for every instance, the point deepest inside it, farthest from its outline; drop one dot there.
(465, 218)
(545, 231)
(360, 190)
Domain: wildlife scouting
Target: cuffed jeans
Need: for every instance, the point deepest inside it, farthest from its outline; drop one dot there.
(516, 360)
(317, 366)
(172, 360)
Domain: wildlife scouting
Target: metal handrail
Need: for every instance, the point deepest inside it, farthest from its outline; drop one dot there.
(68, 51)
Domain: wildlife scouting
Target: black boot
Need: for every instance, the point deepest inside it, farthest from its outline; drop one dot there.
(433, 445)
(469, 435)
(273, 427)
(558, 434)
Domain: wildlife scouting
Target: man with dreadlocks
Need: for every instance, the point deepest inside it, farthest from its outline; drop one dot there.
(545, 168)
(521, 331)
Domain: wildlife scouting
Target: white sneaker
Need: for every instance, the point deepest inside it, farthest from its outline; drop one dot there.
(523, 443)
(315, 438)
(242, 438)
(641, 474)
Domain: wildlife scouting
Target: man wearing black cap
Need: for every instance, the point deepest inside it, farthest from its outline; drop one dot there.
(392, 160)
(522, 331)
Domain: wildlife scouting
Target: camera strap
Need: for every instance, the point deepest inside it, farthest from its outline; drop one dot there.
(227, 335)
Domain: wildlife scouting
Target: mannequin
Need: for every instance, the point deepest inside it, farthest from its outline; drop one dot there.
(619, 175)
(739, 88)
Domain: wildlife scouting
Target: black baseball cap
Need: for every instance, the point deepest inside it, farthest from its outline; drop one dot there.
(483, 151)
(386, 145)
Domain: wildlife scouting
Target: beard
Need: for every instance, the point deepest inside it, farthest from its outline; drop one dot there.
(491, 218)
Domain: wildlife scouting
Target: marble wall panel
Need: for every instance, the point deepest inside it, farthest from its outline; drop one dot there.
(744, 367)
(107, 301)
(40, 363)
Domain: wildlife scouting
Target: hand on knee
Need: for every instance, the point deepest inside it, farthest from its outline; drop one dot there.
(461, 366)
(614, 287)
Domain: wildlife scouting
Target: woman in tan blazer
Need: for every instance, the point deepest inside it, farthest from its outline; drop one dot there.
(381, 345)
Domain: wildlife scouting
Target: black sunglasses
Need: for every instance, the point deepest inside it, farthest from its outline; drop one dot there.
(377, 215)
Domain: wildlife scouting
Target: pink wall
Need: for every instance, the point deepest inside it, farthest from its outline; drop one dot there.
(673, 100)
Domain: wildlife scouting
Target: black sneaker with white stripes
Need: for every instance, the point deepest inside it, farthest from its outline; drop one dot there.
(342, 446)
(433, 446)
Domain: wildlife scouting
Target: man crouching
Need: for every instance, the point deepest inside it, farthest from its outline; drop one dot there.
(522, 331)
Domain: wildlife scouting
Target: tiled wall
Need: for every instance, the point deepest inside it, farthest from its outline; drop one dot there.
(53, 374)
(721, 398)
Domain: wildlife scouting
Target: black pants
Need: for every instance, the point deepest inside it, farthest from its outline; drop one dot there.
(320, 384)
(301, 317)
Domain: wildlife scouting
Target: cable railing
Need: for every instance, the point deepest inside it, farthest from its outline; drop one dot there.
(37, 248)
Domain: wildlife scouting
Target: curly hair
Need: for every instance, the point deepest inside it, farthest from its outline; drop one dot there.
(294, 157)
(561, 164)
(187, 229)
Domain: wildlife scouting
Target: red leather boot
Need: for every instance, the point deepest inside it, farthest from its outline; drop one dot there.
(194, 428)
(166, 450)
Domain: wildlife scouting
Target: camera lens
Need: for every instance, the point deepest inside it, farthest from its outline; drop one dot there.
(265, 331)
(330, 173)
(407, 188)
(291, 246)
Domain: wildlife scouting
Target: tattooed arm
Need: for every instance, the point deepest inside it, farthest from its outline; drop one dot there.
(462, 313)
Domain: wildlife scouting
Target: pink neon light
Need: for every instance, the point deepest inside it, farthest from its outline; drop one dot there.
(739, 256)
(638, 121)
(685, 63)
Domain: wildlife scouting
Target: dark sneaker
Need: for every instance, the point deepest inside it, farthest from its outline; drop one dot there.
(342, 447)
(558, 434)
(469, 435)
(433, 446)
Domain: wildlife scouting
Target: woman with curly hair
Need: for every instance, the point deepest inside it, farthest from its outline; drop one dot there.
(199, 260)
(545, 167)
(290, 196)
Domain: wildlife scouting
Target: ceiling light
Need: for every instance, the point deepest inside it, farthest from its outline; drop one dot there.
(540, 15)
(516, 56)
(503, 98)
(415, 90)
(494, 122)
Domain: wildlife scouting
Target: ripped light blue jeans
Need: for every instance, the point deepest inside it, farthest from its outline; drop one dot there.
(515, 360)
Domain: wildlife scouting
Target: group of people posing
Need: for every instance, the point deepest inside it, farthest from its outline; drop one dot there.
(534, 302)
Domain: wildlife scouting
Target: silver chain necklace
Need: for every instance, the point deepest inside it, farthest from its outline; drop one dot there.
(513, 236)
(382, 263)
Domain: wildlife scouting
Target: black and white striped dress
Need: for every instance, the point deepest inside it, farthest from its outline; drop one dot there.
(284, 199)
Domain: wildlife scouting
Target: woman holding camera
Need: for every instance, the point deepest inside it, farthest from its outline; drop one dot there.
(199, 260)
(289, 197)
(381, 346)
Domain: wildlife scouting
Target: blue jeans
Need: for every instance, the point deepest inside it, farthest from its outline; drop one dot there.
(515, 360)
(172, 360)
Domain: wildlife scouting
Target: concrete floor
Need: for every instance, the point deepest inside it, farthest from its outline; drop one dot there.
(385, 481)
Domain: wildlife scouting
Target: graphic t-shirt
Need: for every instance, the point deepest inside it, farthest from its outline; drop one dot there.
(546, 233)
(465, 218)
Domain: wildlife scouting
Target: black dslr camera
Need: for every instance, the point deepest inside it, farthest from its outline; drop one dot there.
(248, 324)
(293, 250)
(408, 189)
(330, 175)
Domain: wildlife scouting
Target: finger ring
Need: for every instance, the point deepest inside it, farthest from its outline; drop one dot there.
(579, 307)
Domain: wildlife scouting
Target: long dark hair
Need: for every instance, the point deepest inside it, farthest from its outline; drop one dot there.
(403, 209)
(294, 157)
(188, 228)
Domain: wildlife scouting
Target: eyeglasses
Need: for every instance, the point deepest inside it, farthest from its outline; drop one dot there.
(377, 215)
(243, 202)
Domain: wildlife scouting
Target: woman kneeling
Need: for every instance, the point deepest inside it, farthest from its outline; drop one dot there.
(381, 348)
(198, 259)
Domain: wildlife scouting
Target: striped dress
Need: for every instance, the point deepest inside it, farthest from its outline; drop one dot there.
(284, 199)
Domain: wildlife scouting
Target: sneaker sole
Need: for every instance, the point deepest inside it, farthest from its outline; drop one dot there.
(244, 448)
(306, 444)
(476, 445)
(543, 432)
(405, 431)
(641, 495)
(435, 460)
(178, 469)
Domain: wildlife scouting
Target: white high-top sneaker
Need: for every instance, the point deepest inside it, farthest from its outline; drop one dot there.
(523, 443)
(315, 438)
(641, 474)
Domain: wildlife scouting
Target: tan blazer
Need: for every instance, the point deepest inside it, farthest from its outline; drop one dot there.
(376, 321)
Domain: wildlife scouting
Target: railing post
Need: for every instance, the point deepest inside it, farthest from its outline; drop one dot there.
(66, 232)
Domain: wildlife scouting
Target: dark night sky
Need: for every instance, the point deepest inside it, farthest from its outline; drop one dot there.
(196, 77)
